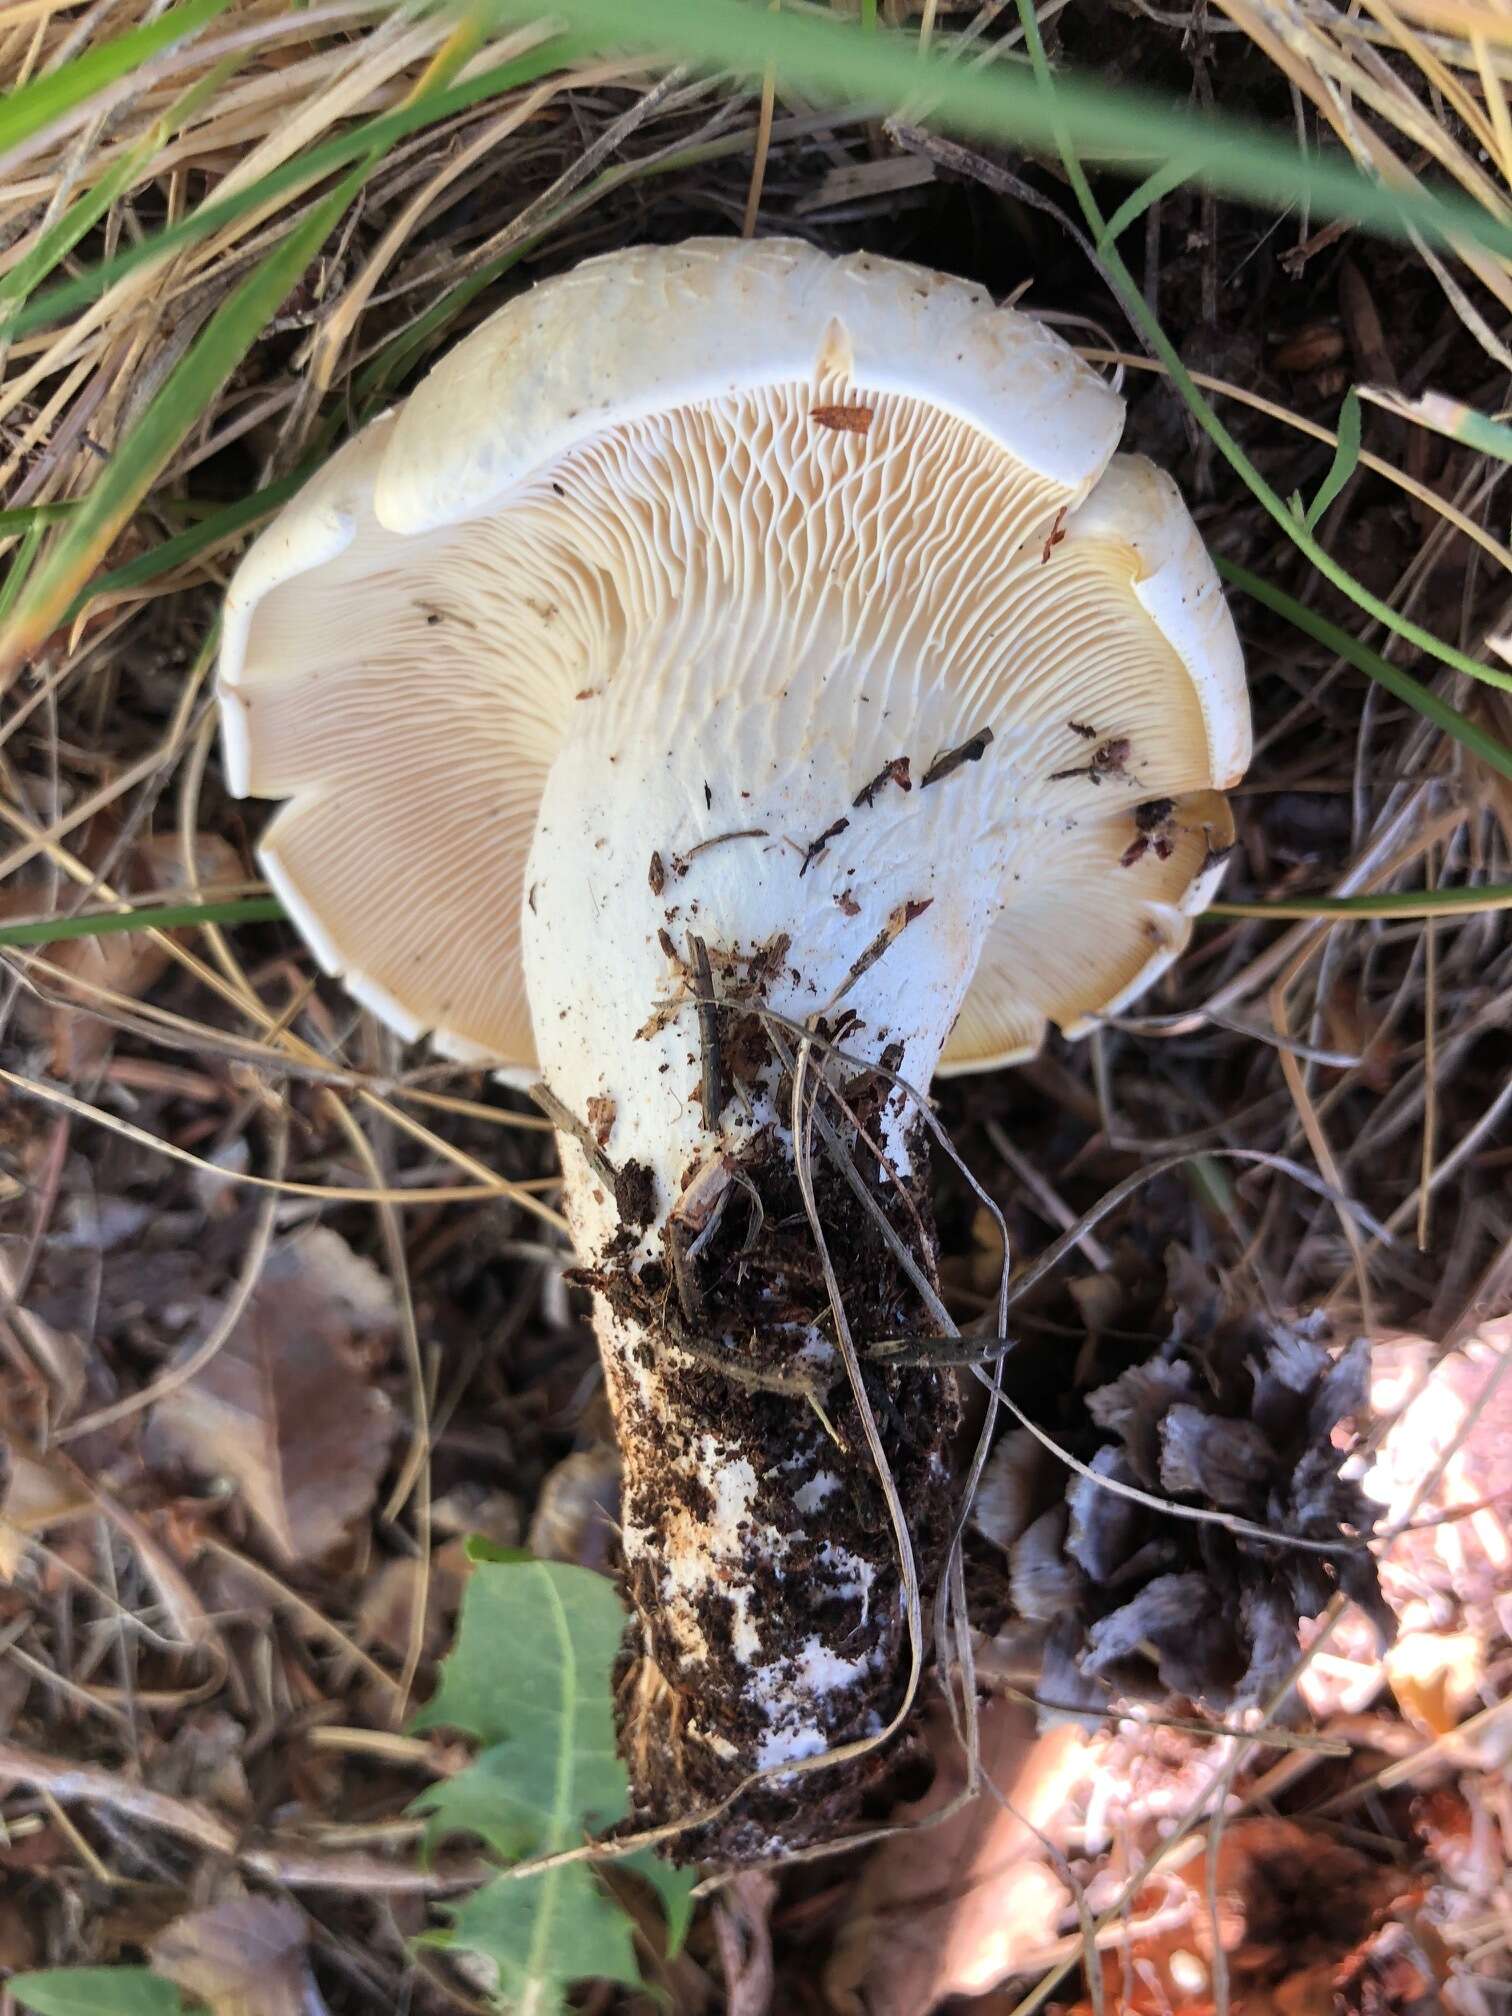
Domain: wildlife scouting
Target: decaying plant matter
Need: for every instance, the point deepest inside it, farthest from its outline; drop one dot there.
(739, 681)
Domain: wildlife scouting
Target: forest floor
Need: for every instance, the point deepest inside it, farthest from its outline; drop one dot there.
(282, 1308)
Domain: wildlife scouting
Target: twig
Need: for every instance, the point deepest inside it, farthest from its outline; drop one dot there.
(896, 924)
(566, 1122)
(712, 1072)
(89, 1785)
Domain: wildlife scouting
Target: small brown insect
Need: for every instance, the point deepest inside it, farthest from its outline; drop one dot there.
(1057, 533)
(843, 419)
(1083, 728)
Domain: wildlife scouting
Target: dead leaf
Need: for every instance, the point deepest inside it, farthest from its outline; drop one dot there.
(1452, 1565)
(386, 1612)
(285, 1408)
(577, 1507)
(956, 1908)
(1436, 1677)
(246, 1957)
(127, 962)
(36, 1496)
(743, 1926)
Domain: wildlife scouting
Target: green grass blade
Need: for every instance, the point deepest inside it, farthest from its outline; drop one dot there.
(837, 59)
(24, 516)
(38, 104)
(1444, 415)
(1345, 461)
(64, 233)
(1388, 903)
(169, 553)
(183, 397)
(1167, 177)
(1479, 741)
(20, 565)
(1291, 523)
(375, 137)
(165, 917)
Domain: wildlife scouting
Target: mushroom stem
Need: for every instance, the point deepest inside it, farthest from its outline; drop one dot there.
(671, 999)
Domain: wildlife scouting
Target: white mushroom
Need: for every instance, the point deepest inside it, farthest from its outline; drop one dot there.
(733, 597)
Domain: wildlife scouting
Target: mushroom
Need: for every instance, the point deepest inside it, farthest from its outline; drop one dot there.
(731, 652)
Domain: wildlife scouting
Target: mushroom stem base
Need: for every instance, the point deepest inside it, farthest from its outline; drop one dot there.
(760, 1554)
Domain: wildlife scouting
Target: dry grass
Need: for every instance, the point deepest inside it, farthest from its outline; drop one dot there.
(200, 1085)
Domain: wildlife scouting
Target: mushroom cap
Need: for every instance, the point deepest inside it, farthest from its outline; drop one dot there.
(926, 478)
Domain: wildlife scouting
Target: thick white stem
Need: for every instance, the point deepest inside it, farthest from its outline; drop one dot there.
(761, 1608)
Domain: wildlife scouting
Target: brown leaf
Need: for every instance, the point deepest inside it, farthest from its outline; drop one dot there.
(1445, 1468)
(577, 1508)
(127, 962)
(956, 1908)
(246, 1957)
(35, 1496)
(284, 1408)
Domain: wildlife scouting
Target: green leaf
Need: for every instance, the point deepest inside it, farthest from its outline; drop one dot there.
(1449, 416)
(97, 1991)
(543, 1933)
(477, 1549)
(48, 98)
(530, 1677)
(1346, 458)
(675, 1888)
(1168, 177)
(220, 525)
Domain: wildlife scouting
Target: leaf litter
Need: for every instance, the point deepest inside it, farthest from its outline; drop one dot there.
(286, 1410)
(269, 1723)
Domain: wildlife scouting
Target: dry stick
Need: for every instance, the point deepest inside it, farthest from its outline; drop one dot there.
(445, 1193)
(711, 1077)
(188, 1820)
(1053, 1254)
(763, 145)
(416, 1468)
(236, 989)
(897, 923)
(970, 751)
(285, 1598)
(303, 1870)
(566, 1121)
(680, 861)
(942, 1316)
(90, 1785)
